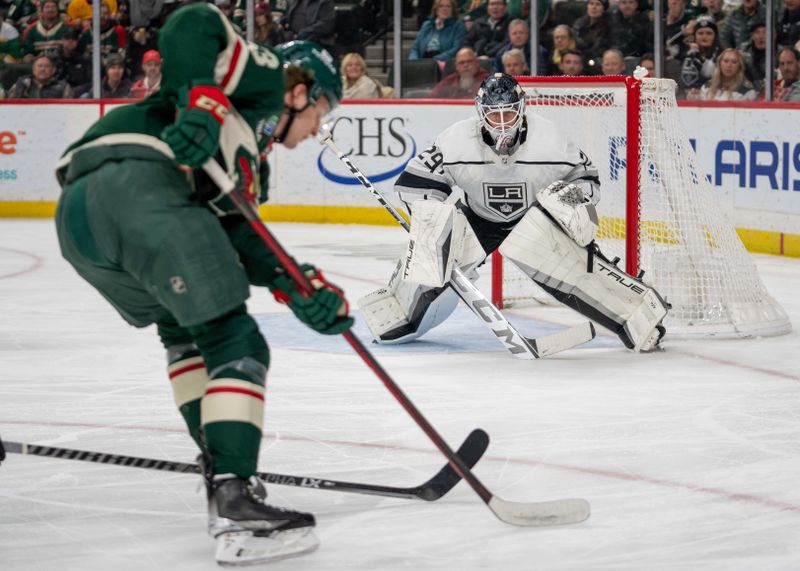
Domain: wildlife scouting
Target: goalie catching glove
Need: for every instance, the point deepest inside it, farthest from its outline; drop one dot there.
(572, 209)
(194, 137)
(325, 310)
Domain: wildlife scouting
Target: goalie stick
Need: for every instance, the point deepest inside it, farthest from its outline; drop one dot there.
(445, 479)
(518, 345)
(555, 512)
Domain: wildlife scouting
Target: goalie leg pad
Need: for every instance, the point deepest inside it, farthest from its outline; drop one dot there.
(440, 239)
(404, 311)
(606, 295)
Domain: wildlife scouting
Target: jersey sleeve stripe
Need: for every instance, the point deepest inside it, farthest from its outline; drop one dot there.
(410, 182)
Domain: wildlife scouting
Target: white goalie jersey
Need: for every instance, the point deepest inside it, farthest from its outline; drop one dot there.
(497, 188)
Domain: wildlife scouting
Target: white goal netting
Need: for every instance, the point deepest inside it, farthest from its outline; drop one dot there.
(663, 217)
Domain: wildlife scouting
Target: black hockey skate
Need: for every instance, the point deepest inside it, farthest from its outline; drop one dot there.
(249, 531)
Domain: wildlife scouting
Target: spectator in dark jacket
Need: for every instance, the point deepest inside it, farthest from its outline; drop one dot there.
(74, 65)
(789, 26)
(631, 30)
(441, 35)
(698, 65)
(519, 37)
(42, 83)
(490, 32)
(755, 54)
(739, 23)
(311, 20)
(592, 32)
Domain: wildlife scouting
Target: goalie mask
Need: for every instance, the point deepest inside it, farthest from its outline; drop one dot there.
(501, 112)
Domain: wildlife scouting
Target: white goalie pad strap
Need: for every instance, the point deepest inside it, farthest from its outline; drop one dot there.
(572, 209)
(440, 239)
(541, 250)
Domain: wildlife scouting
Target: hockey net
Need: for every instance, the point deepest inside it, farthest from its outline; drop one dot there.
(658, 212)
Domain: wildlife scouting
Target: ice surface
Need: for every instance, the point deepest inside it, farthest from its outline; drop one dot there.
(690, 458)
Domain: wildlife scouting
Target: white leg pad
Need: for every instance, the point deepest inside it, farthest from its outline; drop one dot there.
(404, 310)
(607, 295)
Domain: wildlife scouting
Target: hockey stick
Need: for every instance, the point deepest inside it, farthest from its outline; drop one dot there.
(516, 344)
(445, 480)
(554, 512)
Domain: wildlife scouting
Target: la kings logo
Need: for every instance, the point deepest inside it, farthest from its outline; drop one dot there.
(507, 199)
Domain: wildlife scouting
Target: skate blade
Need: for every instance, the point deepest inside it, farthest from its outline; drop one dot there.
(242, 548)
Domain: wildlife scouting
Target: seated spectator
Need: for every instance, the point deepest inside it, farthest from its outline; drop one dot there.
(20, 13)
(519, 37)
(151, 82)
(226, 7)
(465, 81)
(713, 9)
(74, 65)
(613, 62)
(631, 29)
(789, 68)
(648, 61)
(140, 14)
(140, 41)
(356, 83)
(2, 93)
(515, 62)
(112, 36)
(738, 24)
(311, 20)
(562, 41)
(571, 63)
(266, 32)
(789, 24)
(80, 11)
(592, 32)
(441, 35)
(698, 65)
(489, 33)
(115, 84)
(41, 83)
(10, 47)
(44, 36)
(755, 54)
(728, 82)
(678, 27)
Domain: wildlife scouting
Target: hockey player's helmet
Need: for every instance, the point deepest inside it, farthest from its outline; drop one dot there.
(318, 64)
(501, 109)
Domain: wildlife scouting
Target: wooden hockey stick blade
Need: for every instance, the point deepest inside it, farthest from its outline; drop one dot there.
(563, 340)
(539, 514)
(445, 480)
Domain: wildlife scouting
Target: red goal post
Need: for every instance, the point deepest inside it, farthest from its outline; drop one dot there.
(658, 213)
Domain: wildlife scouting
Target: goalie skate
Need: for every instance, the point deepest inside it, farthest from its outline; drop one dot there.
(249, 531)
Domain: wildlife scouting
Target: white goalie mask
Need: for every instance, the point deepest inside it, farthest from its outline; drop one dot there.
(501, 109)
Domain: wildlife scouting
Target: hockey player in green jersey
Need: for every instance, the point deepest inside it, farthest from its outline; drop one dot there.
(143, 224)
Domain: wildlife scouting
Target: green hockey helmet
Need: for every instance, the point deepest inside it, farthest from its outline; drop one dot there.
(318, 65)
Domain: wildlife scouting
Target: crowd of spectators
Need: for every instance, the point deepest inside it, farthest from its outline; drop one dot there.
(46, 45)
(714, 49)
